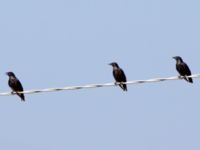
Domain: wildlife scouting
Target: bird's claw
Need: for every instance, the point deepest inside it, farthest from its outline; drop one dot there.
(180, 77)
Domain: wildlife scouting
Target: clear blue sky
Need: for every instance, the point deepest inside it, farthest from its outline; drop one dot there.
(56, 43)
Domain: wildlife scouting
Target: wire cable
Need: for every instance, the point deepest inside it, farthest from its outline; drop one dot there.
(98, 85)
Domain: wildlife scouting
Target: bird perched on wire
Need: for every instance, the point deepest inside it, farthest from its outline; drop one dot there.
(15, 85)
(119, 75)
(183, 68)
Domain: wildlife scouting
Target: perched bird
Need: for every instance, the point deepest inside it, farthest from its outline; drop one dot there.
(183, 68)
(119, 75)
(15, 85)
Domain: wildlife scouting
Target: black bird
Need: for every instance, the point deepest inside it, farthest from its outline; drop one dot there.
(119, 75)
(183, 68)
(15, 85)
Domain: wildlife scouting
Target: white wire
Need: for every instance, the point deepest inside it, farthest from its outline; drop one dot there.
(98, 85)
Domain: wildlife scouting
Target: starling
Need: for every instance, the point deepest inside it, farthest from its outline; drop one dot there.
(15, 85)
(119, 75)
(183, 68)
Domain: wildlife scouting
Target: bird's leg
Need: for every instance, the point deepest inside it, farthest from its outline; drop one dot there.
(12, 92)
(116, 83)
(180, 77)
(183, 77)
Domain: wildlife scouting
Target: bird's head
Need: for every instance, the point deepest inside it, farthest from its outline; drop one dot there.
(178, 59)
(114, 65)
(10, 74)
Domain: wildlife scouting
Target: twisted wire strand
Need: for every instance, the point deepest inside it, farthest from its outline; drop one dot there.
(98, 85)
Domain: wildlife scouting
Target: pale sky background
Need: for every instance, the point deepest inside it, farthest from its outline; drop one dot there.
(56, 43)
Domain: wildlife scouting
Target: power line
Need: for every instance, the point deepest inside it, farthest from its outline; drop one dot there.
(88, 86)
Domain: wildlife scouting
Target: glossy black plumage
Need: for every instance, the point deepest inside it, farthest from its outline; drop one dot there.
(119, 75)
(183, 68)
(15, 85)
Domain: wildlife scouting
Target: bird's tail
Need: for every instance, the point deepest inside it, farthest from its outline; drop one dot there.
(188, 79)
(124, 87)
(21, 95)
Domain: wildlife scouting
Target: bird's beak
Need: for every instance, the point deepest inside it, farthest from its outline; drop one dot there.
(6, 73)
(174, 57)
(110, 64)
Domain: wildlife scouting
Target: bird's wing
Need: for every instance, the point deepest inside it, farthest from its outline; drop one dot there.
(123, 76)
(15, 84)
(119, 75)
(187, 69)
(19, 86)
(181, 69)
